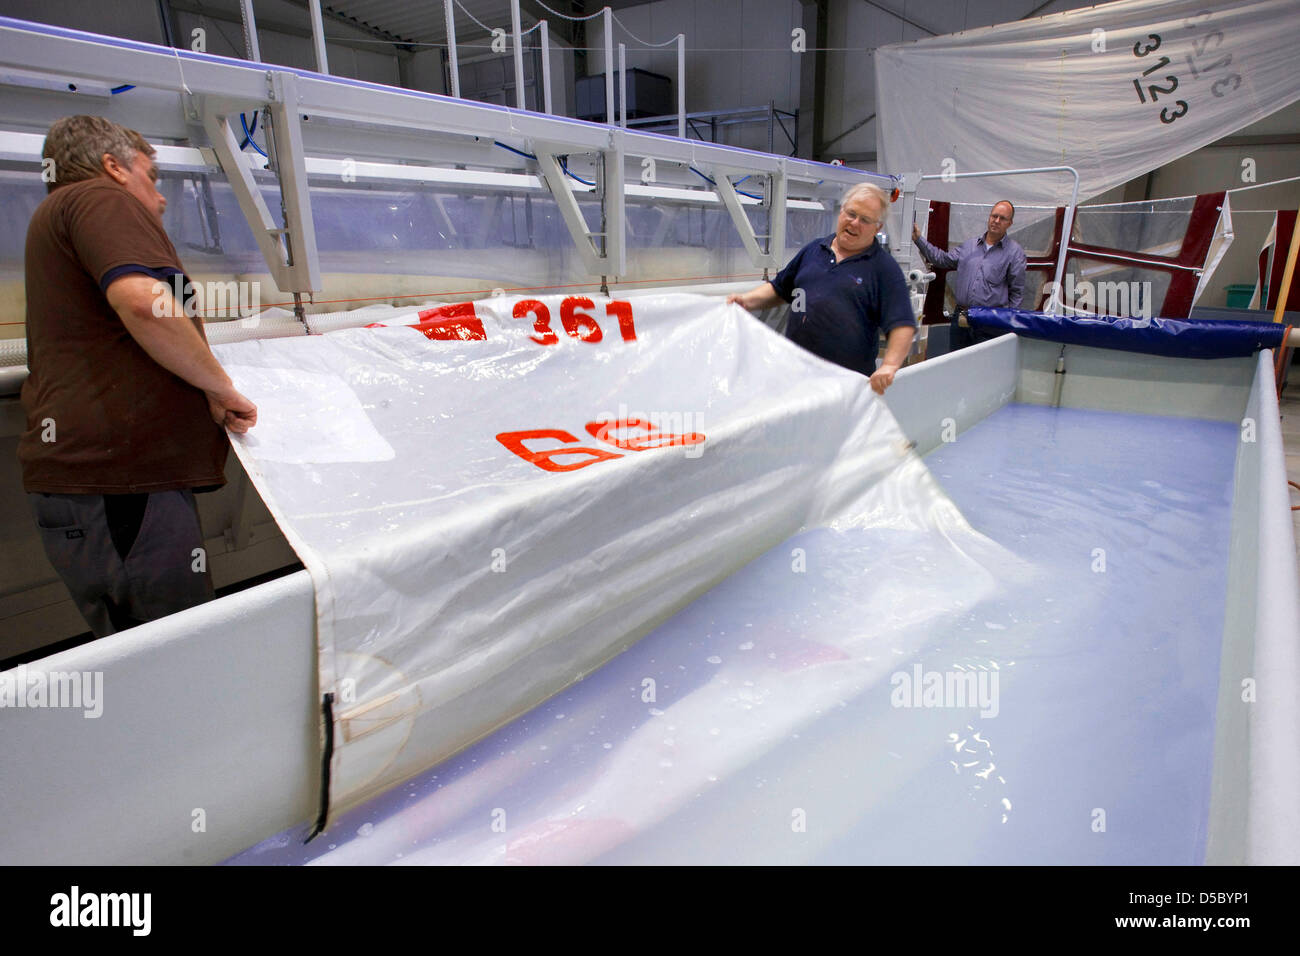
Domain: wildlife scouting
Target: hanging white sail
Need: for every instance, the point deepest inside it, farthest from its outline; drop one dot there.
(1114, 90)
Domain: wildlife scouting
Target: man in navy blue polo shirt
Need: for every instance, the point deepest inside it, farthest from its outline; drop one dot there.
(843, 290)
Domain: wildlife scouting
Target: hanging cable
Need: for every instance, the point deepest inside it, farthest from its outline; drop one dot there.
(1276, 182)
(565, 166)
(472, 17)
(638, 39)
(714, 183)
(249, 136)
(249, 130)
(565, 16)
(517, 152)
(181, 70)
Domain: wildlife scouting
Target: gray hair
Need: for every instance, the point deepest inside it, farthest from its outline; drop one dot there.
(871, 191)
(77, 145)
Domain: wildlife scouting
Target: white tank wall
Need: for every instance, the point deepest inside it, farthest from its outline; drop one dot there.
(1226, 840)
(1108, 380)
(965, 387)
(1255, 801)
(208, 715)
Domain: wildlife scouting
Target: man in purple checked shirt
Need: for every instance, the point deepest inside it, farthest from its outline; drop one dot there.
(990, 272)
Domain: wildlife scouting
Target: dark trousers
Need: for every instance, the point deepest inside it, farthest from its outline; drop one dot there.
(126, 559)
(960, 338)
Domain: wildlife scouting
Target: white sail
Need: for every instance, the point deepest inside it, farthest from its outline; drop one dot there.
(476, 547)
(1114, 90)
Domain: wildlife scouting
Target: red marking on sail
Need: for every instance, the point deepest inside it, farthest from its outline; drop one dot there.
(451, 323)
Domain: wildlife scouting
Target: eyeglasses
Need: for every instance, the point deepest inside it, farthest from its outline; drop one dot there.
(854, 217)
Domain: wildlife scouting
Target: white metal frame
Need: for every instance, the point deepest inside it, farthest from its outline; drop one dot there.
(209, 89)
(289, 252)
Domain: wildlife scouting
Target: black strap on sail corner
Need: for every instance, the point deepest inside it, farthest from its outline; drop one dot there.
(327, 756)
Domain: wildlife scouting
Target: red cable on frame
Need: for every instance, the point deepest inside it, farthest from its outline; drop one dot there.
(522, 288)
(518, 288)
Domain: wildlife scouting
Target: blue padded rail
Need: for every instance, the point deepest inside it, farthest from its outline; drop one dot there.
(1177, 338)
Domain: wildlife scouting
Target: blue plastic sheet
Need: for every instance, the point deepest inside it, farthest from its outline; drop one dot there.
(1177, 338)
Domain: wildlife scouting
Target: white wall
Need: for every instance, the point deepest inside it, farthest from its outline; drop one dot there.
(854, 30)
(738, 54)
(423, 71)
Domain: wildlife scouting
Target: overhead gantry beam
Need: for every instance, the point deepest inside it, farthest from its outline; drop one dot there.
(211, 89)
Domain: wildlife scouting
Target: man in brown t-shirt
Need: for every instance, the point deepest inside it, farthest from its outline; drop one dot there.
(124, 400)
